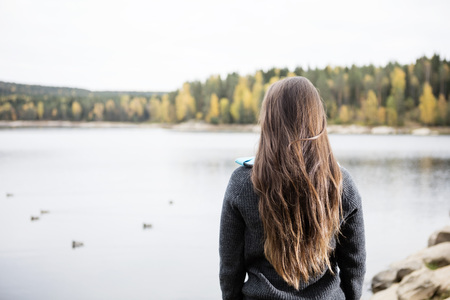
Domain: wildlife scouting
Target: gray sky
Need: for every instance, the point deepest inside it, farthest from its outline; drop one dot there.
(159, 44)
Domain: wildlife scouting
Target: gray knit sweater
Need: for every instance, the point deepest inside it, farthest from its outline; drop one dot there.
(242, 252)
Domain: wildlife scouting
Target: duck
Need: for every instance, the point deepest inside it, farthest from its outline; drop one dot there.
(44, 212)
(170, 202)
(147, 226)
(33, 218)
(76, 244)
(9, 194)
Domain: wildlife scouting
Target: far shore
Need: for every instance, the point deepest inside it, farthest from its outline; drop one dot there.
(203, 126)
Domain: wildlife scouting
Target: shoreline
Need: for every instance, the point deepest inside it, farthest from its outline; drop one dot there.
(203, 126)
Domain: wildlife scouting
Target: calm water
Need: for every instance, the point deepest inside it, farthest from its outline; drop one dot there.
(101, 185)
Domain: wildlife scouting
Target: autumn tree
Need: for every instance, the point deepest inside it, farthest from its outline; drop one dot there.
(155, 109)
(369, 108)
(225, 111)
(167, 110)
(98, 111)
(427, 105)
(136, 109)
(213, 114)
(40, 110)
(398, 84)
(76, 110)
(258, 93)
(184, 104)
(241, 108)
(111, 113)
(344, 114)
(442, 110)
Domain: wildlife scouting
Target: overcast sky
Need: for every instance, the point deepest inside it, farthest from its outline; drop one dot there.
(156, 45)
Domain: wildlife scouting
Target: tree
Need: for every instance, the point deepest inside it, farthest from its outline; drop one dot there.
(184, 104)
(258, 93)
(136, 109)
(76, 110)
(398, 84)
(344, 114)
(40, 110)
(110, 110)
(369, 108)
(225, 111)
(427, 105)
(98, 111)
(124, 107)
(167, 110)
(241, 108)
(155, 109)
(213, 114)
(381, 114)
(391, 112)
(442, 110)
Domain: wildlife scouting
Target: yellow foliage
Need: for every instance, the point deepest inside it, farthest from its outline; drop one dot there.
(166, 108)
(398, 83)
(76, 110)
(224, 110)
(40, 110)
(98, 111)
(242, 98)
(213, 108)
(258, 93)
(110, 105)
(155, 109)
(381, 115)
(344, 114)
(184, 103)
(136, 107)
(370, 107)
(427, 105)
(54, 112)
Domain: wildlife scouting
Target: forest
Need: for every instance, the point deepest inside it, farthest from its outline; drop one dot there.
(393, 95)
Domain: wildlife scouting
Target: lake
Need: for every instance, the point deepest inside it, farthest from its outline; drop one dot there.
(100, 186)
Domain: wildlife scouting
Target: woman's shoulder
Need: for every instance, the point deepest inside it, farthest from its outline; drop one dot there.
(351, 198)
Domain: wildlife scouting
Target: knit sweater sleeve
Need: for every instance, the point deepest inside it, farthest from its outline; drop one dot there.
(350, 249)
(231, 244)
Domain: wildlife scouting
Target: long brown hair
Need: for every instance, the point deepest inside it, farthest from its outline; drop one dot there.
(298, 181)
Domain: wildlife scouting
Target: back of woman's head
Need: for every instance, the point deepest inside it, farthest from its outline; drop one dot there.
(298, 181)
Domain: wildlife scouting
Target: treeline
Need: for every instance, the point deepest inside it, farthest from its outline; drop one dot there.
(393, 95)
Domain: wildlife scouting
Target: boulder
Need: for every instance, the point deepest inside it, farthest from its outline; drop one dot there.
(407, 266)
(439, 236)
(383, 280)
(387, 294)
(418, 285)
(437, 255)
(442, 277)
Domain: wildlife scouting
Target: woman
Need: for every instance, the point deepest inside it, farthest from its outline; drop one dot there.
(293, 221)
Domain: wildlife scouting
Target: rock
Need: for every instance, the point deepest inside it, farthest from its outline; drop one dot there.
(421, 131)
(383, 130)
(442, 277)
(437, 255)
(419, 285)
(407, 266)
(387, 294)
(439, 236)
(383, 280)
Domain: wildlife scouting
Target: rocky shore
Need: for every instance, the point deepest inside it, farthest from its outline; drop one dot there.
(203, 126)
(422, 275)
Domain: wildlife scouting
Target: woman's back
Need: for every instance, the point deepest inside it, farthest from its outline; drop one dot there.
(242, 249)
